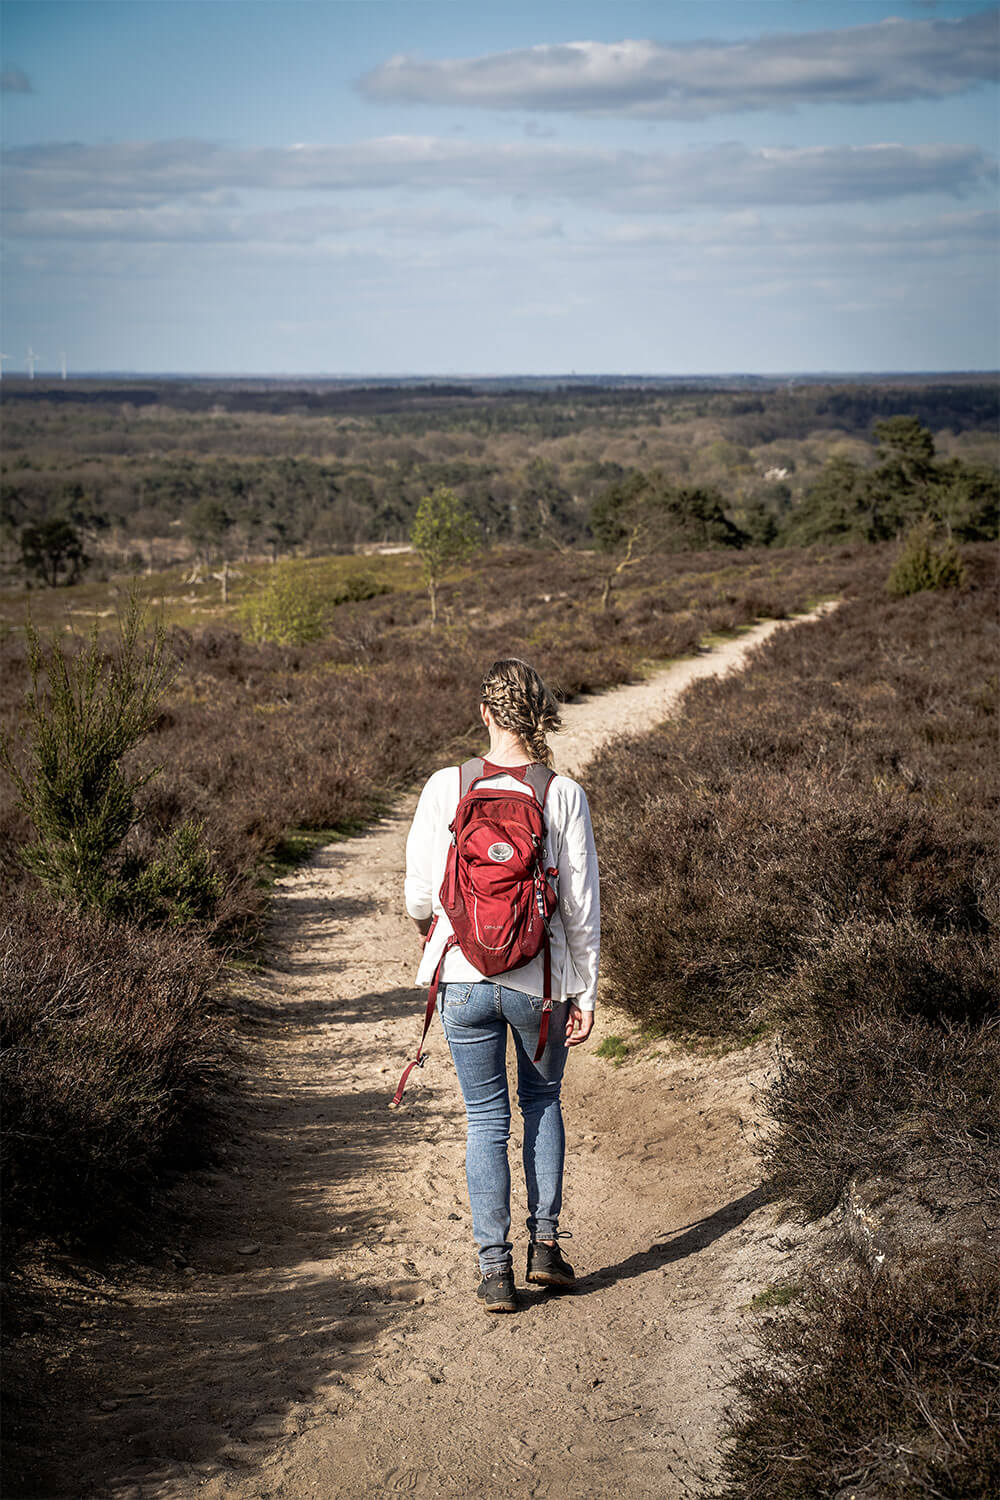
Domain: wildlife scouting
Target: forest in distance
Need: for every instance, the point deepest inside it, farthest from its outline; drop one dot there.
(157, 472)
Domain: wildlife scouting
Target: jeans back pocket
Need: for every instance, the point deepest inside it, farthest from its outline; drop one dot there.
(455, 994)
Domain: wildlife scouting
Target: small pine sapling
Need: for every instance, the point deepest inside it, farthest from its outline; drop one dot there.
(86, 711)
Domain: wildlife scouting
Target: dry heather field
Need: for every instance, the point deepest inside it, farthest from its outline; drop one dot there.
(806, 855)
(270, 751)
(811, 850)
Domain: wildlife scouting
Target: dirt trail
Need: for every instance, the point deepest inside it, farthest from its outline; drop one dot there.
(316, 1334)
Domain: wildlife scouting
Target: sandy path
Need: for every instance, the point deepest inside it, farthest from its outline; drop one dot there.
(316, 1335)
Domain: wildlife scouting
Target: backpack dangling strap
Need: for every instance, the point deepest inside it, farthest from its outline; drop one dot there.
(432, 995)
(543, 1030)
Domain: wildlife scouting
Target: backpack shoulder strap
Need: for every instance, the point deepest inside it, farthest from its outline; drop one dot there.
(539, 778)
(469, 772)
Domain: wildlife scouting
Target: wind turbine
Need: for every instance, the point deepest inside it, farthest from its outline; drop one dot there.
(62, 362)
(32, 361)
(2, 358)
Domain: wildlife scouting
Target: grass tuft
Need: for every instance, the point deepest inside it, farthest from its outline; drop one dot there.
(779, 1295)
(614, 1049)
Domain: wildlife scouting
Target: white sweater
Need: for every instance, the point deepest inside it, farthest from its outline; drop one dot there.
(575, 926)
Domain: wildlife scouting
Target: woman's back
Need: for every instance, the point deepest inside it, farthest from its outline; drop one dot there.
(478, 1012)
(569, 850)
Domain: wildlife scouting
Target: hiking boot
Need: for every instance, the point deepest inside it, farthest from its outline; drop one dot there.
(496, 1291)
(548, 1266)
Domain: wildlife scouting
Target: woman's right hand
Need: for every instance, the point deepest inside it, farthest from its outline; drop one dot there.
(579, 1025)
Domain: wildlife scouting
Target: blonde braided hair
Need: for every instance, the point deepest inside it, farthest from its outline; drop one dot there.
(519, 701)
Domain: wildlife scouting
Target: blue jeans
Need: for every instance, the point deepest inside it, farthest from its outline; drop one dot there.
(475, 1019)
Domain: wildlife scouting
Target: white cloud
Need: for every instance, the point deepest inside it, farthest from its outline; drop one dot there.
(184, 224)
(153, 176)
(893, 60)
(943, 237)
(191, 223)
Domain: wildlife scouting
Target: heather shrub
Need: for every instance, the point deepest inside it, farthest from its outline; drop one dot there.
(922, 565)
(891, 1086)
(879, 1385)
(847, 777)
(812, 847)
(715, 897)
(901, 968)
(105, 1046)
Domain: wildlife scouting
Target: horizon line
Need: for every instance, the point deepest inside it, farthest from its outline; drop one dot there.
(574, 375)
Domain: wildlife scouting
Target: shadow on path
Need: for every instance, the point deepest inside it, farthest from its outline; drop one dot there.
(689, 1240)
(274, 1297)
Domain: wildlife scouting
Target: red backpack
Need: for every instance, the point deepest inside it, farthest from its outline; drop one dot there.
(496, 890)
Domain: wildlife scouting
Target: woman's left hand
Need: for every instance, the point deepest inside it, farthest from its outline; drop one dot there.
(579, 1024)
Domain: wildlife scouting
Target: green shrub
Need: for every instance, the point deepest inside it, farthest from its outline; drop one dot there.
(86, 712)
(287, 611)
(922, 565)
(779, 1295)
(359, 586)
(179, 884)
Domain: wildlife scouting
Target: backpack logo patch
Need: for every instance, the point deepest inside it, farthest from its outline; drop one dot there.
(500, 853)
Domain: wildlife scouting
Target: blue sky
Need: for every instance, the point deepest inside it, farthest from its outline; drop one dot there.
(403, 186)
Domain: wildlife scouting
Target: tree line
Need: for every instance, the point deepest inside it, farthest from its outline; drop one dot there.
(278, 506)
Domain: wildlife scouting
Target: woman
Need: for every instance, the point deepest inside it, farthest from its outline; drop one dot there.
(518, 711)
